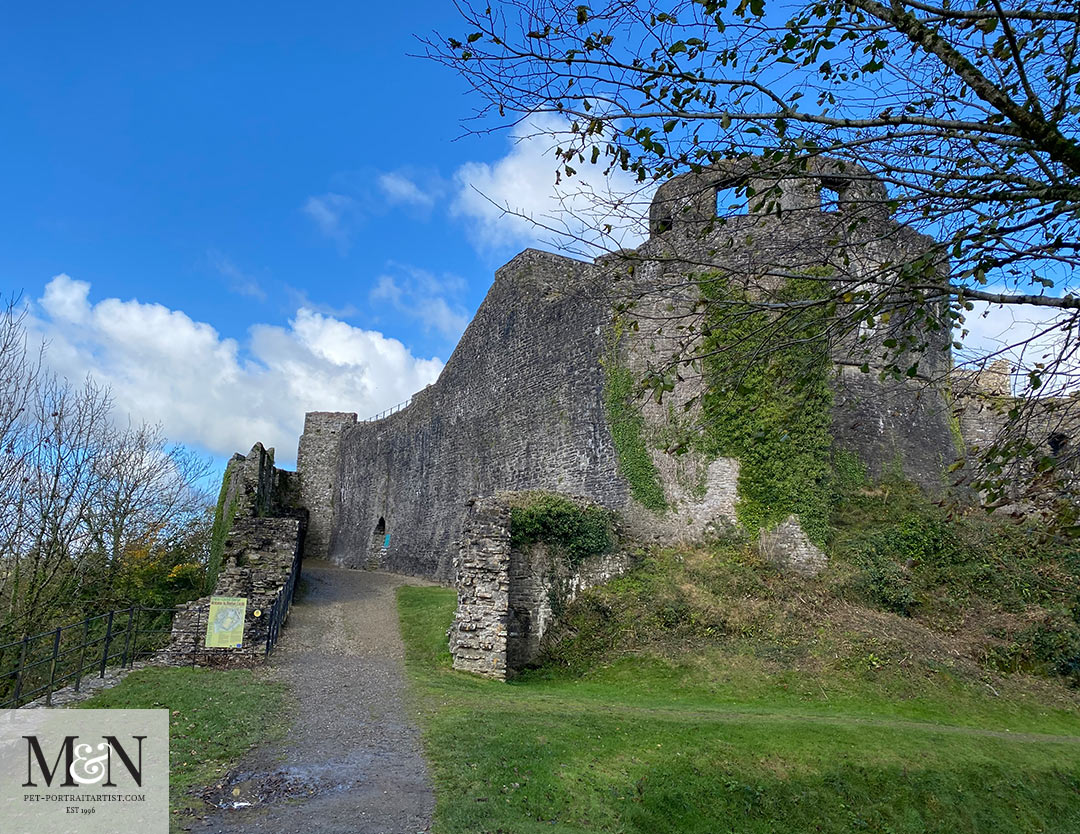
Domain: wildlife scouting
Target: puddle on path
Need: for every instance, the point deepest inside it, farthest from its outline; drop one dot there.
(245, 789)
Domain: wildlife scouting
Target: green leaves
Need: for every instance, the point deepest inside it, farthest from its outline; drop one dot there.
(579, 530)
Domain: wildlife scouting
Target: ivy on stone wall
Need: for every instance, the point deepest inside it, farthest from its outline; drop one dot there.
(577, 530)
(223, 521)
(627, 431)
(768, 404)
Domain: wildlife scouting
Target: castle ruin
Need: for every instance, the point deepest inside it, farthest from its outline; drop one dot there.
(525, 401)
(520, 405)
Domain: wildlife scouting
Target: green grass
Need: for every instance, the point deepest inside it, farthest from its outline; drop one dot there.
(215, 716)
(743, 731)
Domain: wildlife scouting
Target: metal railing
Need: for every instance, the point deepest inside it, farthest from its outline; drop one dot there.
(392, 410)
(279, 611)
(40, 664)
(67, 655)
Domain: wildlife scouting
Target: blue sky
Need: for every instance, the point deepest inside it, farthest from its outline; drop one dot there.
(234, 213)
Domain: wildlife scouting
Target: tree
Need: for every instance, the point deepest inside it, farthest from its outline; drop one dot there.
(80, 494)
(967, 112)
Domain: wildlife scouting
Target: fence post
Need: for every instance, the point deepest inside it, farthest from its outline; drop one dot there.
(19, 674)
(108, 640)
(52, 668)
(195, 641)
(270, 628)
(135, 637)
(127, 637)
(82, 652)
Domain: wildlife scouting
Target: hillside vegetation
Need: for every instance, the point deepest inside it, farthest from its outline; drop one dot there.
(923, 683)
(911, 590)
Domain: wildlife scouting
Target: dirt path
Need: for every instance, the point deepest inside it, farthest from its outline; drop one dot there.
(352, 761)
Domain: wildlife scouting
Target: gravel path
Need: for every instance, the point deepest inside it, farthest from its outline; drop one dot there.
(352, 761)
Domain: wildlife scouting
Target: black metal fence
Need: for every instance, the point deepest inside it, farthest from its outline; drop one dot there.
(40, 664)
(279, 611)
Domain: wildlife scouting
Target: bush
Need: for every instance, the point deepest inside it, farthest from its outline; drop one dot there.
(1050, 647)
(886, 583)
(579, 531)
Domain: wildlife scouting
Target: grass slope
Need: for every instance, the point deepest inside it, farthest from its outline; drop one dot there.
(741, 731)
(215, 716)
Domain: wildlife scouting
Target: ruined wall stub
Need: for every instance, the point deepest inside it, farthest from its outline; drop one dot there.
(507, 596)
(264, 531)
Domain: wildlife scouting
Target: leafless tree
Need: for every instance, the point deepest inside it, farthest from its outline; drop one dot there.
(77, 492)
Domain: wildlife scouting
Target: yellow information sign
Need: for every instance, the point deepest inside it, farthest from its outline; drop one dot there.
(225, 623)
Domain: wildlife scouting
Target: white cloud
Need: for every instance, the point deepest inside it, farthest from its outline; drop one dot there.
(421, 295)
(1024, 336)
(515, 201)
(398, 188)
(335, 215)
(205, 390)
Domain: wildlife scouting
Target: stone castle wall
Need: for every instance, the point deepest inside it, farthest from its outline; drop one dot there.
(988, 415)
(260, 554)
(520, 403)
(889, 424)
(317, 458)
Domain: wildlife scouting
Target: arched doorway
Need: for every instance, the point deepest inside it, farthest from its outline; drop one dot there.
(380, 541)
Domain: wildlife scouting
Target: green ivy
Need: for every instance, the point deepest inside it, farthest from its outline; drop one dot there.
(769, 406)
(576, 530)
(627, 431)
(959, 444)
(849, 473)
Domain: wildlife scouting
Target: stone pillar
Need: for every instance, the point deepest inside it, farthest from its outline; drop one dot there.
(482, 566)
(316, 465)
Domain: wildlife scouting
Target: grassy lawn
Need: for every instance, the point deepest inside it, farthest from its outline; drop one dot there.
(723, 739)
(215, 717)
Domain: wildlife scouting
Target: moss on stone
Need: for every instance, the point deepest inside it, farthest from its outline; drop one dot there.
(768, 403)
(849, 472)
(224, 516)
(628, 433)
(959, 444)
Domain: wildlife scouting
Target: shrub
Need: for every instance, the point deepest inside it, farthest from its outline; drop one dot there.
(579, 531)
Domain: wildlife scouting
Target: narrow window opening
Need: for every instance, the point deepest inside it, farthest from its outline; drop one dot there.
(830, 199)
(729, 202)
(1059, 442)
(380, 543)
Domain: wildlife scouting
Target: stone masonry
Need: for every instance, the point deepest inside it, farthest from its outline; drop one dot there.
(262, 541)
(520, 403)
(317, 458)
(508, 598)
(478, 634)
